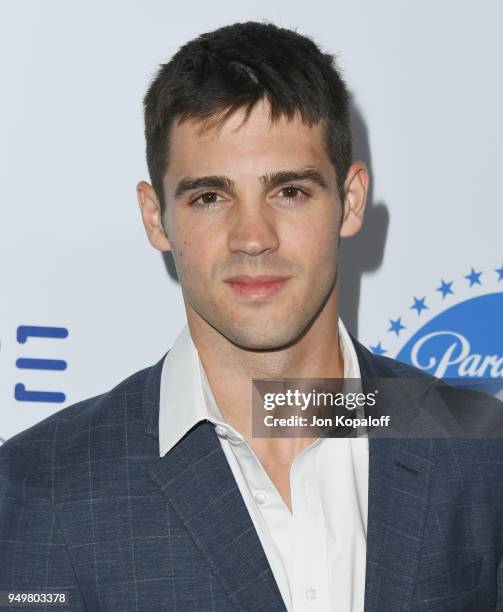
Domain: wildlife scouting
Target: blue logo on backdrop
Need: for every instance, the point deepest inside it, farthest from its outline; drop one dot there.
(463, 340)
(24, 333)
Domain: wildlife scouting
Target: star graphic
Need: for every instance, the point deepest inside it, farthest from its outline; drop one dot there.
(396, 326)
(445, 288)
(419, 305)
(500, 272)
(474, 277)
(378, 349)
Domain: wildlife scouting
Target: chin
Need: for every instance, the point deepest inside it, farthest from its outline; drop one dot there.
(260, 337)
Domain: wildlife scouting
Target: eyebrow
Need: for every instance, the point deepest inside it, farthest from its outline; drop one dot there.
(268, 181)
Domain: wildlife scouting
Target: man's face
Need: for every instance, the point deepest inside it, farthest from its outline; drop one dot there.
(255, 227)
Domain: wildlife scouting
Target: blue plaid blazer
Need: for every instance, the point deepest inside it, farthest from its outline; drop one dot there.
(88, 506)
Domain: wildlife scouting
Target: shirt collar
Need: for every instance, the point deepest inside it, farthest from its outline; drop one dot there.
(186, 397)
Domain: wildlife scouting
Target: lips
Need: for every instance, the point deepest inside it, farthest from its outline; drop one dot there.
(256, 286)
(254, 280)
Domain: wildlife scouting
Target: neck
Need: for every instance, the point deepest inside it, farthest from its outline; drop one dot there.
(230, 368)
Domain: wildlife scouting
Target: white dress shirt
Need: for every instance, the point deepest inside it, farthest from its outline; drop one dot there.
(317, 552)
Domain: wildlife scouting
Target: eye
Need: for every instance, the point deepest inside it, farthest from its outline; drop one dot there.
(294, 194)
(205, 200)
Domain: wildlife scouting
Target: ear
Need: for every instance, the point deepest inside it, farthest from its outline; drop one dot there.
(355, 197)
(150, 209)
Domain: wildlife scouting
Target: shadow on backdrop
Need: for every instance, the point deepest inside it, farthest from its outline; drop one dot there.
(363, 252)
(358, 254)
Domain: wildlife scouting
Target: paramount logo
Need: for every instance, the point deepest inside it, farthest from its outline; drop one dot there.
(453, 332)
(455, 353)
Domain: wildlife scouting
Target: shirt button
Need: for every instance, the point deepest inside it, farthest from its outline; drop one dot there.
(310, 593)
(221, 431)
(260, 498)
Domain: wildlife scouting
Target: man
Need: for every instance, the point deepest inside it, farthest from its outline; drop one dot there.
(155, 495)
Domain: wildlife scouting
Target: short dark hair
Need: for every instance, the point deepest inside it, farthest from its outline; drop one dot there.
(234, 67)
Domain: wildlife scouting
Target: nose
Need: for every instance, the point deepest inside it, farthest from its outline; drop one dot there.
(253, 228)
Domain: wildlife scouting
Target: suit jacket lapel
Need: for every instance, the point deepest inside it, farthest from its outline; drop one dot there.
(399, 482)
(198, 483)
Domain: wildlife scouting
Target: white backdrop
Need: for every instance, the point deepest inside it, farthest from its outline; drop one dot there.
(74, 255)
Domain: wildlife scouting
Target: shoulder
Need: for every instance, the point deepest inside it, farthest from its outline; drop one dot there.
(72, 427)
(466, 404)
